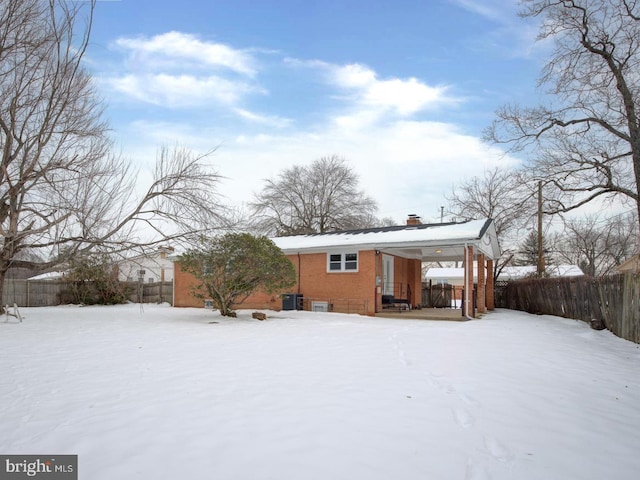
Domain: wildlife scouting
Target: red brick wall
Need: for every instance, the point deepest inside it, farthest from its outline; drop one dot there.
(408, 273)
(314, 282)
(182, 283)
(345, 290)
(183, 297)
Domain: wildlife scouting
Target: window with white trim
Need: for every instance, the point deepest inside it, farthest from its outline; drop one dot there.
(342, 262)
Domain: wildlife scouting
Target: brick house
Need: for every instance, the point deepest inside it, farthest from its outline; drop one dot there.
(362, 271)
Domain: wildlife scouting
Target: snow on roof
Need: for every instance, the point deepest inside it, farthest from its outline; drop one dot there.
(424, 233)
(444, 272)
(512, 273)
(449, 272)
(48, 276)
(507, 273)
(564, 270)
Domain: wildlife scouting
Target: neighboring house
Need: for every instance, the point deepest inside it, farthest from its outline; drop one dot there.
(22, 273)
(515, 273)
(362, 271)
(455, 276)
(632, 265)
(150, 267)
(440, 280)
(448, 275)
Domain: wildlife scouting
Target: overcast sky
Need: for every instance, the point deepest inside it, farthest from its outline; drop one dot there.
(401, 89)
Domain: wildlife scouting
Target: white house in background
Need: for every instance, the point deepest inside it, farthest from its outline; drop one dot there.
(448, 275)
(455, 276)
(515, 273)
(150, 267)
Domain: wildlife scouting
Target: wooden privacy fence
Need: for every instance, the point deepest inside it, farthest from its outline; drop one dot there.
(156, 292)
(441, 296)
(43, 293)
(615, 300)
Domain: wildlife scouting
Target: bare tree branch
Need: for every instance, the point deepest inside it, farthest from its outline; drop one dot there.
(588, 146)
(62, 190)
(323, 197)
(598, 244)
(499, 194)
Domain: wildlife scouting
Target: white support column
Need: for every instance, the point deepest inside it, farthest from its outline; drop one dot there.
(468, 282)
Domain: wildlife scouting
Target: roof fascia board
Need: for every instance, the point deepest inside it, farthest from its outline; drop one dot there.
(382, 246)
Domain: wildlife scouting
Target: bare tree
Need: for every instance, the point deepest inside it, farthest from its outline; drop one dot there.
(322, 197)
(598, 244)
(62, 191)
(587, 146)
(499, 195)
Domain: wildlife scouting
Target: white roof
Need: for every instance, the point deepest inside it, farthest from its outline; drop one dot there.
(564, 270)
(48, 276)
(444, 241)
(444, 272)
(512, 273)
(449, 272)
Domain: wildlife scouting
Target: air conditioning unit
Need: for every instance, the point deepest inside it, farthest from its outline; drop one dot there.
(319, 306)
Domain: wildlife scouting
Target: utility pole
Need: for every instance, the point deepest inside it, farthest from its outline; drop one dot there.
(540, 269)
(441, 214)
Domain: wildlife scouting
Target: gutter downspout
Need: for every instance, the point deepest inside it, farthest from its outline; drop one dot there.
(298, 273)
(378, 275)
(466, 281)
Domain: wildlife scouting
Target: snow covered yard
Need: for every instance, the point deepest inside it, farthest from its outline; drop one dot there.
(164, 393)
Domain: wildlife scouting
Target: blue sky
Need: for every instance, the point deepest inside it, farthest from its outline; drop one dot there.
(401, 89)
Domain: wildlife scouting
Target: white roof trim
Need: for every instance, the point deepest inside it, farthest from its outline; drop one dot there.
(422, 240)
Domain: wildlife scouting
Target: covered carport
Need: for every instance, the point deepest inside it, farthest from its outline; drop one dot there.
(469, 242)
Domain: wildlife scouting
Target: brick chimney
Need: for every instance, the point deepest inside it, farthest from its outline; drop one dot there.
(413, 219)
(164, 250)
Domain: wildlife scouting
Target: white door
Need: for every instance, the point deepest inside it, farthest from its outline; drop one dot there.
(387, 275)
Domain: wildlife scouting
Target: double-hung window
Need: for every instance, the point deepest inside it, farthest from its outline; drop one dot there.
(342, 262)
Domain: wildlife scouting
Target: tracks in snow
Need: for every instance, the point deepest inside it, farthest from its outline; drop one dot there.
(490, 452)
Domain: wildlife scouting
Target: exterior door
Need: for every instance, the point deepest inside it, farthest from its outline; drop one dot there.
(387, 275)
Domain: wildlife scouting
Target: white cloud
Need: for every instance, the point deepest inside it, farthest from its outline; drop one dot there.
(269, 120)
(406, 166)
(354, 76)
(181, 90)
(406, 163)
(179, 70)
(148, 135)
(500, 11)
(514, 35)
(180, 48)
(368, 96)
(402, 96)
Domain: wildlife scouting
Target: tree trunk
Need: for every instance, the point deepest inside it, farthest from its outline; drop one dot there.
(636, 170)
(4, 266)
